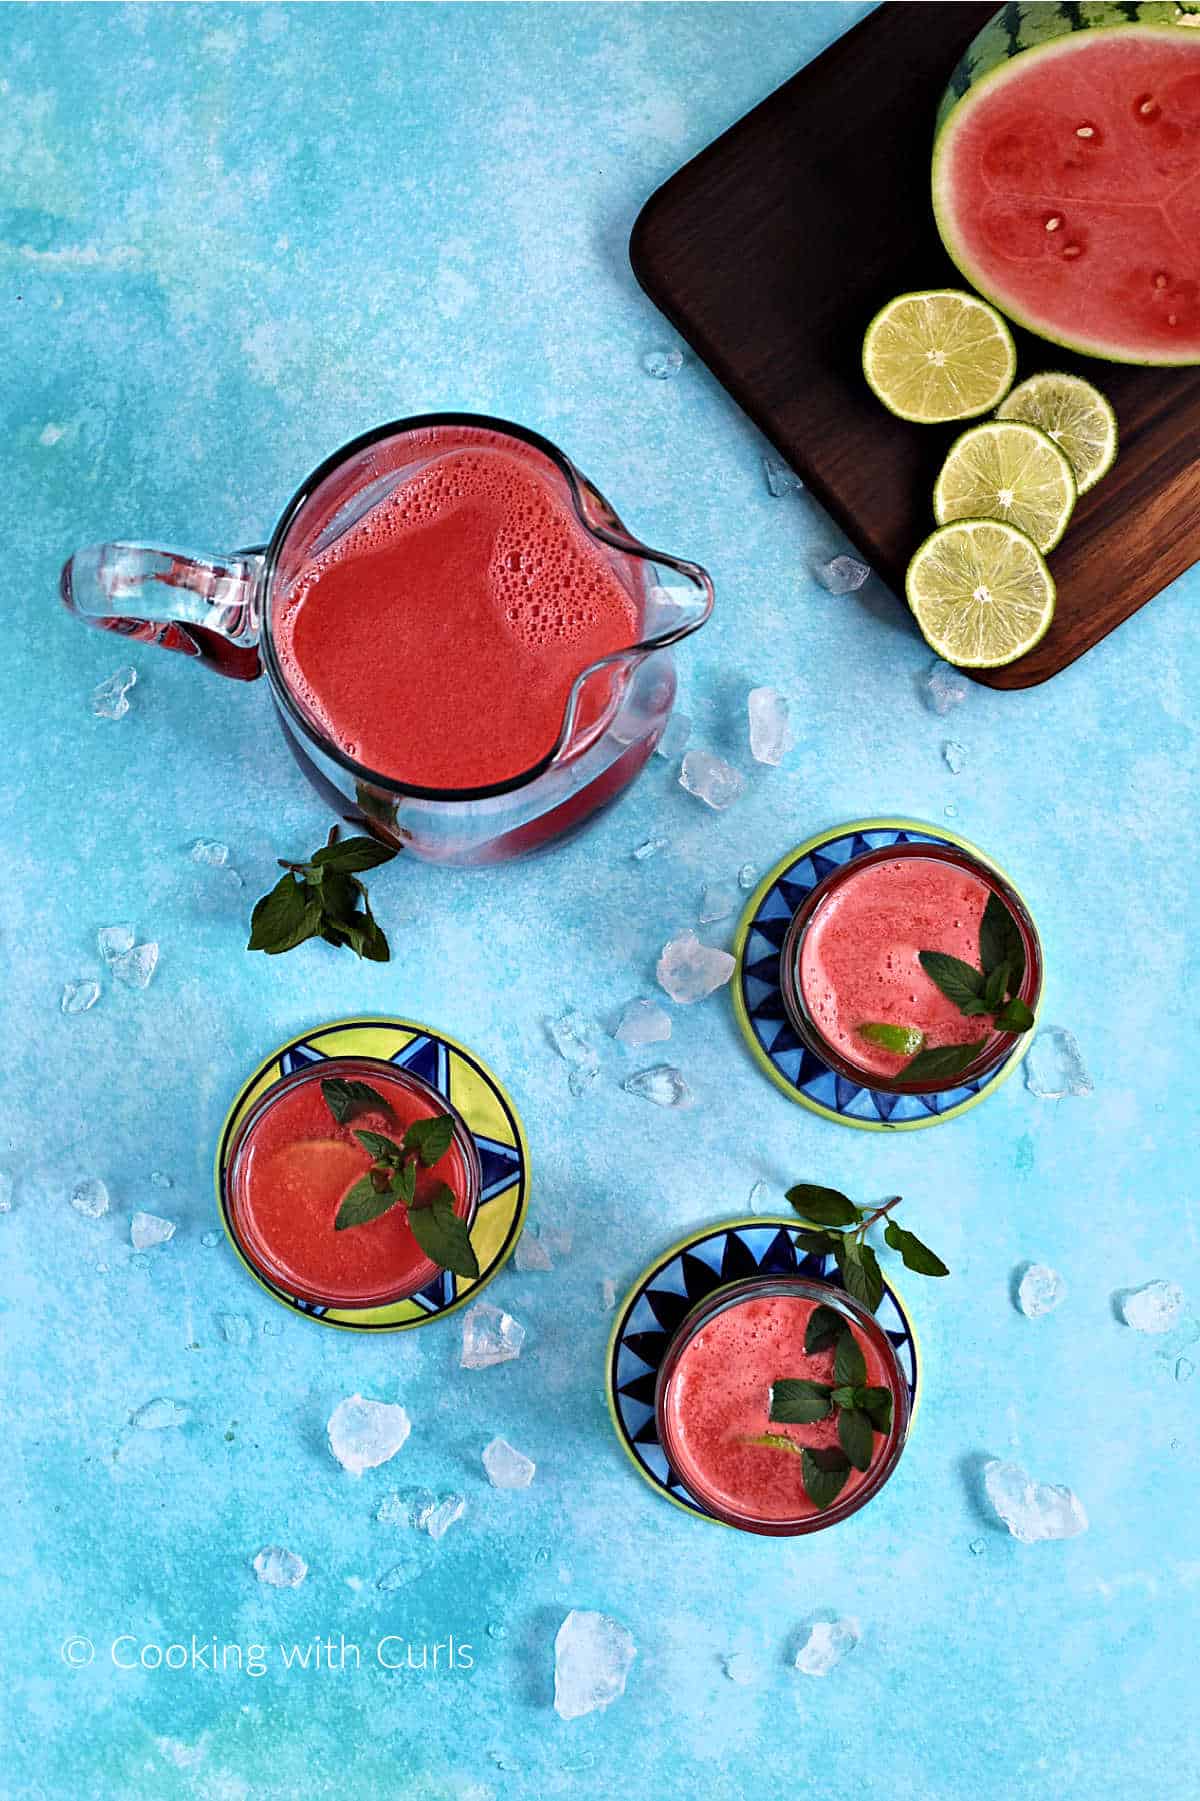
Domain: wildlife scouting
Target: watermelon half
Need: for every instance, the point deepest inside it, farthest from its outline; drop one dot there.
(1066, 175)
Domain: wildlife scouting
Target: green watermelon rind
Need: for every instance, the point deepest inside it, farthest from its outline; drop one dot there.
(990, 76)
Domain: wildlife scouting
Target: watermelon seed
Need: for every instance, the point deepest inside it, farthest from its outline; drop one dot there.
(1085, 131)
(1172, 318)
(1071, 250)
(1148, 107)
(1160, 281)
(1053, 222)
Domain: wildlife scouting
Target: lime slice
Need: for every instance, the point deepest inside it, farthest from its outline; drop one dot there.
(981, 593)
(1073, 413)
(939, 355)
(906, 1041)
(1007, 470)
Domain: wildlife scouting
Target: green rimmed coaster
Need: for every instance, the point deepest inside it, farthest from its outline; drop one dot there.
(494, 1123)
(758, 1001)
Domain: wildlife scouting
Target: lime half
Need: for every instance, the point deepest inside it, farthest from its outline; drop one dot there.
(1073, 413)
(939, 355)
(906, 1041)
(981, 593)
(1007, 470)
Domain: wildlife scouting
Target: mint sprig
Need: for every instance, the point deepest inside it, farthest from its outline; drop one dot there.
(989, 992)
(346, 1100)
(323, 898)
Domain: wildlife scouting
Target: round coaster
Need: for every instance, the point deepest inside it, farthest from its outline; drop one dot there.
(762, 1245)
(499, 1138)
(758, 1001)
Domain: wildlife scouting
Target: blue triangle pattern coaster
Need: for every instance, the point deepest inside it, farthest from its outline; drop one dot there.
(299, 1056)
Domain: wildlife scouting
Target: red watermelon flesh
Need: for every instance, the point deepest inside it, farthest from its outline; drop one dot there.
(1068, 192)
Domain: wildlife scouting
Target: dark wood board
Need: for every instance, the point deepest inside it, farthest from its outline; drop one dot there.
(773, 248)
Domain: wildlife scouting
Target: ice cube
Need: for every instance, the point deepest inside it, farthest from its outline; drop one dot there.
(410, 1507)
(234, 1329)
(675, 735)
(506, 1467)
(448, 1510)
(1041, 1290)
(780, 479)
(717, 901)
(977, 1547)
(490, 1336)
(114, 941)
(689, 970)
(148, 1229)
(741, 1667)
(711, 779)
(111, 699)
(663, 1085)
(279, 1568)
(608, 1294)
(1054, 1065)
(6, 1191)
(209, 1239)
(662, 364)
(954, 754)
(157, 1415)
(1185, 1369)
(945, 688)
(644, 1022)
(593, 1655)
(1031, 1510)
(161, 1179)
(842, 575)
(747, 876)
(90, 1197)
(1154, 1308)
(135, 967)
(363, 1434)
(398, 1575)
(570, 1034)
(649, 847)
(759, 1200)
(827, 1643)
(211, 852)
(556, 1239)
(531, 1253)
(78, 996)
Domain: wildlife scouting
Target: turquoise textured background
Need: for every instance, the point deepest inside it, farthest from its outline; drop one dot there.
(229, 239)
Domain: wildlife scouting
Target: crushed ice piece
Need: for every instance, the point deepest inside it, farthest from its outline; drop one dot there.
(570, 1034)
(955, 755)
(1154, 1308)
(826, 1645)
(675, 735)
(77, 997)
(1185, 1369)
(977, 1547)
(945, 688)
(741, 1667)
(643, 1022)
(664, 1085)
(363, 1434)
(209, 1239)
(593, 1655)
(759, 1199)
(490, 1336)
(711, 779)
(717, 901)
(608, 1294)
(1054, 1065)
(689, 970)
(398, 1575)
(161, 1179)
(211, 852)
(279, 1568)
(507, 1467)
(747, 876)
(1031, 1510)
(448, 1511)
(408, 1507)
(90, 1197)
(649, 847)
(135, 967)
(6, 1191)
(1041, 1290)
(111, 699)
(531, 1254)
(557, 1240)
(780, 479)
(497, 1629)
(842, 575)
(148, 1229)
(662, 364)
(114, 941)
(157, 1415)
(950, 811)
(235, 1329)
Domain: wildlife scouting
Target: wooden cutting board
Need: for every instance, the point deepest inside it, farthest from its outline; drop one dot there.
(770, 252)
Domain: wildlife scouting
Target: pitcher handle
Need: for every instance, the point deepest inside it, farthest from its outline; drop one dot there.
(206, 607)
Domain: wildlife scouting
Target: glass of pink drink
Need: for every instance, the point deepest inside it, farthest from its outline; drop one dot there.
(850, 958)
(713, 1399)
(292, 1164)
(468, 652)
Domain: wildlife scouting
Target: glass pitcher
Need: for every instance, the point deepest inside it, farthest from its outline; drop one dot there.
(222, 611)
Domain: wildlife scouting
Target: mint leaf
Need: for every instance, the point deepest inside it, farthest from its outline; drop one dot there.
(406, 1183)
(942, 1062)
(328, 902)
(861, 1274)
(442, 1235)
(956, 979)
(995, 988)
(795, 1402)
(917, 1256)
(363, 1203)
(826, 1243)
(284, 918)
(430, 1138)
(1000, 941)
(347, 1099)
(353, 855)
(1016, 1017)
(845, 1397)
(876, 1403)
(824, 1328)
(857, 1437)
(381, 1149)
(849, 1365)
(824, 1475)
(823, 1206)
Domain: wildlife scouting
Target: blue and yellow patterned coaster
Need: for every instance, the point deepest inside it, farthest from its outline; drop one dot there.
(758, 1000)
(499, 1138)
(667, 1292)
